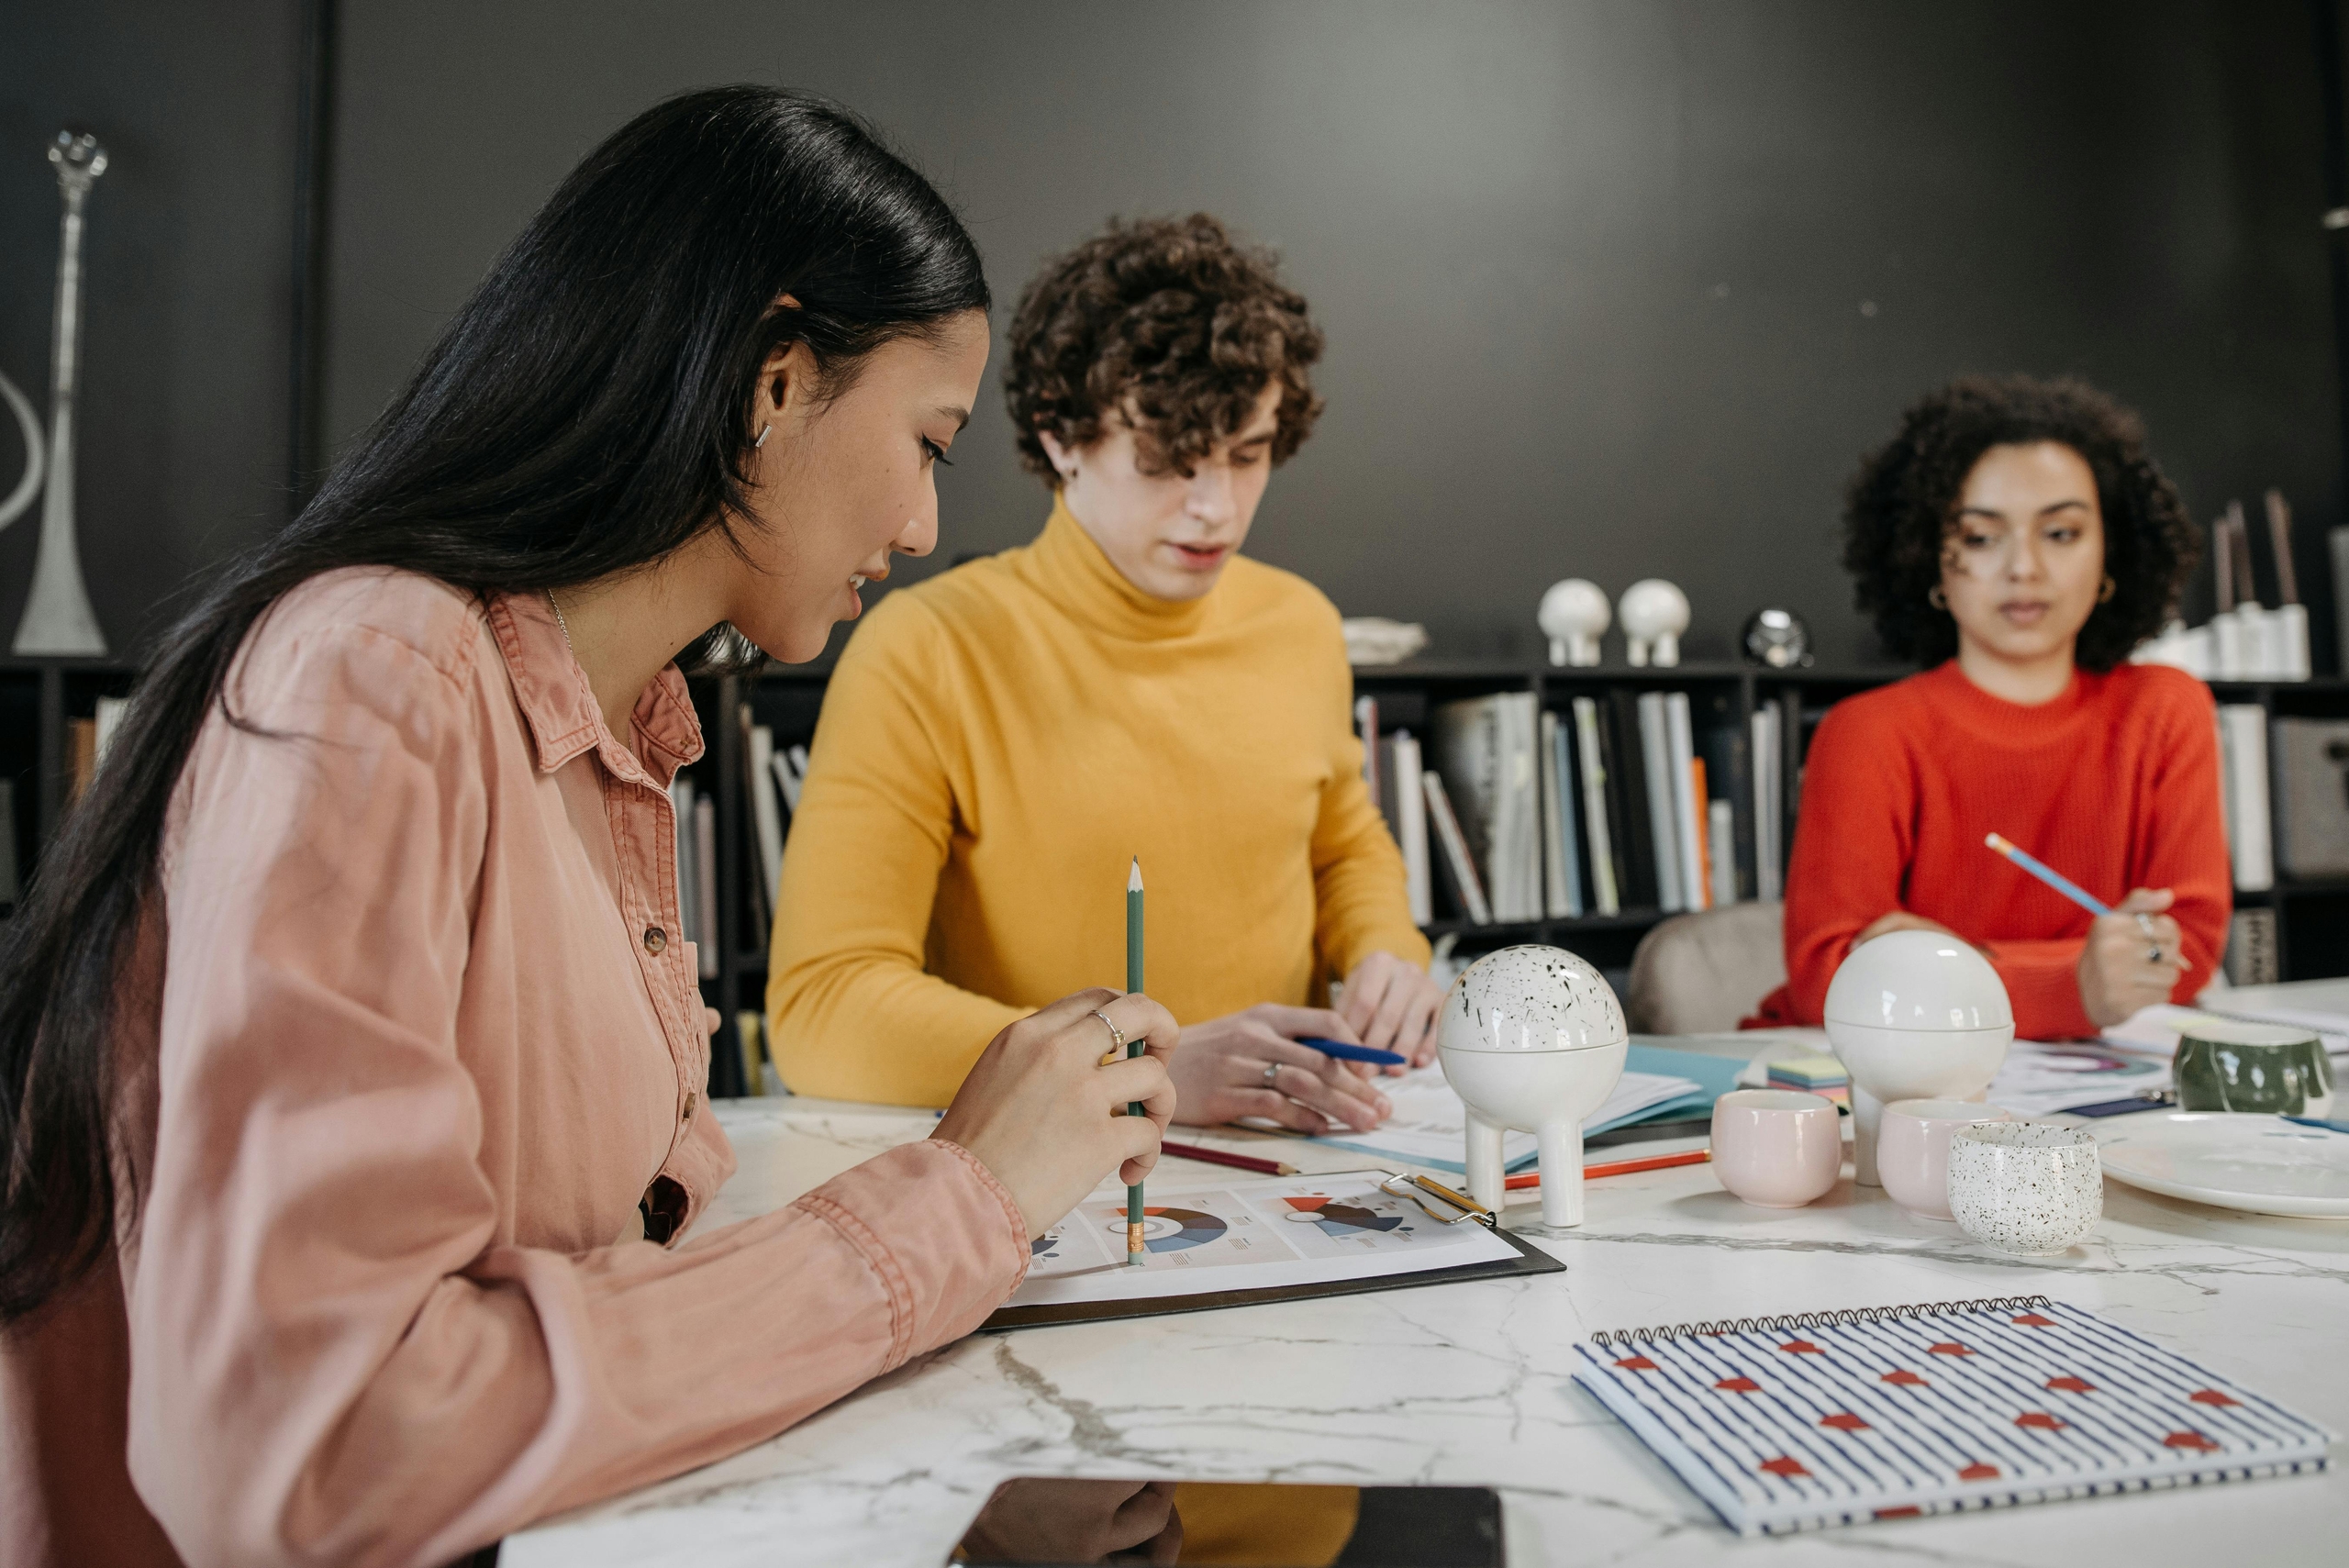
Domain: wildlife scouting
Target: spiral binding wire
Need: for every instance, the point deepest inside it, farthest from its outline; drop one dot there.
(1822, 1319)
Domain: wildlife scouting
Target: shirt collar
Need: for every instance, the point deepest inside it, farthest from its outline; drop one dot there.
(1072, 571)
(559, 706)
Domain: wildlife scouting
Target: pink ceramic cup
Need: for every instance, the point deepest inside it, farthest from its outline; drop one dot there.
(1912, 1150)
(1776, 1148)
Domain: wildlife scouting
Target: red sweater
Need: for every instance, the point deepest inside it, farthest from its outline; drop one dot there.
(2115, 783)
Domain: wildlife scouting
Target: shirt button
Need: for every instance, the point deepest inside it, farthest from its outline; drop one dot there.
(690, 1100)
(656, 939)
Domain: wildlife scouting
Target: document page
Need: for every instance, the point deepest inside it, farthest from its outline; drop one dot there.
(1247, 1236)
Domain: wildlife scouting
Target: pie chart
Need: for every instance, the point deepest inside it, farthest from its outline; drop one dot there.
(1172, 1229)
(1339, 1219)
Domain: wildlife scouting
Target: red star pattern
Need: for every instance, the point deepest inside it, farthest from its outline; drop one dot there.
(2071, 1385)
(2038, 1419)
(1904, 1378)
(1844, 1422)
(1637, 1364)
(1783, 1465)
(2213, 1397)
(2194, 1441)
(1739, 1385)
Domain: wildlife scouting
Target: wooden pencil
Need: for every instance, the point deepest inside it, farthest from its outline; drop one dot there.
(1134, 1048)
(1219, 1157)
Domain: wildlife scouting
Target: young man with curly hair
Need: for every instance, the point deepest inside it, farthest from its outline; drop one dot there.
(1129, 684)
(2017, 541)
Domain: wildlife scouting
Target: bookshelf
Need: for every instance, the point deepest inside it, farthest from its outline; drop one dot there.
(38, 696)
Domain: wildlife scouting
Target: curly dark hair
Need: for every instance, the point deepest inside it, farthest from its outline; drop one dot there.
(1902, 505)
(1170, 324)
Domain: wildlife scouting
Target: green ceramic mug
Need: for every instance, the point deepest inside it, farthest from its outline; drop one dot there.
(2223, 1065)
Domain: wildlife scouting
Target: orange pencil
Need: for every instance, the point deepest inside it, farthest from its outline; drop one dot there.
(1617, 1168)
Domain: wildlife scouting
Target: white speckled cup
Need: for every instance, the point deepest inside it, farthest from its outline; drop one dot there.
(2025, 1187)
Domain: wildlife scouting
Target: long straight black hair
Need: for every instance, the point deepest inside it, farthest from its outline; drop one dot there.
(585, 412)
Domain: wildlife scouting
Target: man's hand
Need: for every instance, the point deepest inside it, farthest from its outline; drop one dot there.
(1393, 1006)
(1250, 1065)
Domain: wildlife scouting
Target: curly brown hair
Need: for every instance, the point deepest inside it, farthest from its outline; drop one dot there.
(1902, 505)
(1169, 324)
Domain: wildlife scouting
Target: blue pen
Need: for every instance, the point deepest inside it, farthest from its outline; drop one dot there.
(1345, 1052)
(2320, 1122)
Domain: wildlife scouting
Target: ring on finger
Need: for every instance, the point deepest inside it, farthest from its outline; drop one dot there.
(2153, 953)
(1271, 1072)
(1117, 1034)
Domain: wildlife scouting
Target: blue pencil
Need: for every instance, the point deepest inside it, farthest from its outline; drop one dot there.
(2051, 876)
(1345, 1052)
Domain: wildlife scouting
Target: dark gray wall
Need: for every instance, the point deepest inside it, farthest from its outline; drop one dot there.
(185, 402)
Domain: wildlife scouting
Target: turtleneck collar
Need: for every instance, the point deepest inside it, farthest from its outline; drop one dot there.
(1071, 569)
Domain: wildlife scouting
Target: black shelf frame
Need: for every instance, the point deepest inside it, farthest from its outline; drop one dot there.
(2311, 914)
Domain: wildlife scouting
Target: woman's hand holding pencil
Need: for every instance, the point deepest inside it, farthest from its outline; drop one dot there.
(1044, 1113)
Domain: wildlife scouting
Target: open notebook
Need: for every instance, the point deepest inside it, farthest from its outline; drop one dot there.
(1794, 1423)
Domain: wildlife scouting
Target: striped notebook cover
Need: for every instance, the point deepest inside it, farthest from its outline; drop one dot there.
(1825, 1418)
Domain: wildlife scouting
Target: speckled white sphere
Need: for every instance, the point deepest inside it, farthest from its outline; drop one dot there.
(1654, 612)
(2025, 1187)
(1530, 998)
(1573, 616)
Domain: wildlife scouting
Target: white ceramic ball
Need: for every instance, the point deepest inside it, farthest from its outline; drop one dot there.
(1574, 616)
(1530, 998)
(1654, 612)
(1652, 607)
(1918, 980)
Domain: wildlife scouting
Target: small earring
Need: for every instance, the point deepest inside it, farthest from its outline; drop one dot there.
(1934, 597)
(763, 436)
(2107, 589)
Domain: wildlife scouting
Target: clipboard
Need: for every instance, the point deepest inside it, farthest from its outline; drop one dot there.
(1529, 1260)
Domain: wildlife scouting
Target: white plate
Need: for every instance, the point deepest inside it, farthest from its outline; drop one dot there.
(2262, 1164)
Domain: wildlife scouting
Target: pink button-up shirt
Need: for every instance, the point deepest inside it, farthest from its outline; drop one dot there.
(424, 1036)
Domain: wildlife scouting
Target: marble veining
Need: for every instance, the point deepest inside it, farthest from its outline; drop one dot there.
(1470, 1383)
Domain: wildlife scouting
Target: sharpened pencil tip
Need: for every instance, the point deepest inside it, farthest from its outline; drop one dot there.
(1133, 877)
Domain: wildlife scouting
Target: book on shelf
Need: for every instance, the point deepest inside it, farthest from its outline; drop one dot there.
(2252, 957)
(1632, 832)
(1366, 727)
(706, 926)
(1409, 821)
(682, 800)
(1721, 849)
(1687, 801)
(766, 811)
(1769, 813)
(1484, 749)
(1662, 812)
(790, 772)
(1726, 748)
(1561, 855)
(1605, 892)
(1459, 865)
(2242, 777)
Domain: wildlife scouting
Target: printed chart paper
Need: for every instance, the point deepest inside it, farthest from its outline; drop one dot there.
(1245, 1236)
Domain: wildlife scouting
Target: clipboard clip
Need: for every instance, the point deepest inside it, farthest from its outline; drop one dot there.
(1439, 1202)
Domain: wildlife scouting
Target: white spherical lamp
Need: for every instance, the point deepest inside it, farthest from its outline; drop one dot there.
(1533, 1040)
(1573, 616)
(1655, 614)
(1914, 1015)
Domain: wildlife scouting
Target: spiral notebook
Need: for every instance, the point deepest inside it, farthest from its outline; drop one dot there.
(1794, 1423)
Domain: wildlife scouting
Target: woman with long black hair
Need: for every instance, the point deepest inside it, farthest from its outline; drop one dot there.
(349, 1063)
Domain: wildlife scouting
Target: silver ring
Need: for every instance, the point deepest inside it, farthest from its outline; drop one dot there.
(1117, 1034)
(1272, 1071)
(2146, 924)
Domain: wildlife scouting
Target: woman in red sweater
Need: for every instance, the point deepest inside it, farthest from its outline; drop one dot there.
(2016, 540)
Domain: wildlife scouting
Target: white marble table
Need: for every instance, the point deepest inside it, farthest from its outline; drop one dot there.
(1469, 1382)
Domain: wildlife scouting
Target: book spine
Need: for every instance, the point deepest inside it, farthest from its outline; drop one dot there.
(1767, 823)
(1687, 808)
(1721, 842)
(1604, 892)
(1517, 849)
(1367, 725)
(764, 813)
(706, 885)
(2243, 728)
(1553, 828)
(1411, 824)
(1664, 816)
(1455, 850)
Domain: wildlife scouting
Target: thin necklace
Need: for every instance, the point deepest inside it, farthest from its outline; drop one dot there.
(556, 606)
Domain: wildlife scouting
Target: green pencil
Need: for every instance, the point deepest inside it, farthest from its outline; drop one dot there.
(1133, 1048)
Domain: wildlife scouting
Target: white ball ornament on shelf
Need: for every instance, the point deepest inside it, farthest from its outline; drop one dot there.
(1654, 612)
(1914, 1015)
(1531, 1039)
(1573, 616)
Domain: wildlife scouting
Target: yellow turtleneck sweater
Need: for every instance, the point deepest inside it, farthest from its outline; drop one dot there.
(999, 743)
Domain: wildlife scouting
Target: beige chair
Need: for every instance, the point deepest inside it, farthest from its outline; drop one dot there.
(1700, 973)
